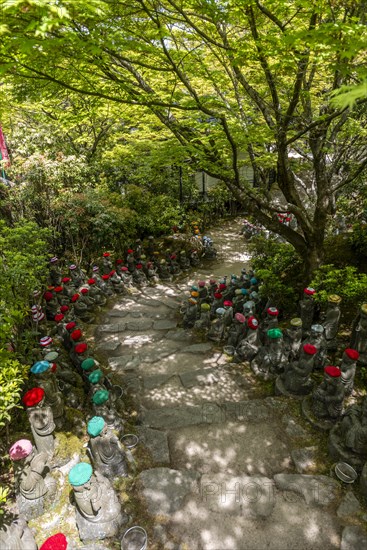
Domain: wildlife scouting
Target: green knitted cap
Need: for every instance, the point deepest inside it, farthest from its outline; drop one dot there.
(95, 376)
(296, 322)
(80, 474)
(275, 333)
(51, 356)
(95, 425)
(205, 307)
(100, 397)
(88, 363)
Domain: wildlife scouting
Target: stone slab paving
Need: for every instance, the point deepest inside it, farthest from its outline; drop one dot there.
(291, 525)
(190, 388)
(354, 538)
(165, 489)
(236, 448)
(233, 471)
(156, 442)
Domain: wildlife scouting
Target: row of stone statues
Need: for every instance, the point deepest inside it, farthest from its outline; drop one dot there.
(233, 312)
(65, 377)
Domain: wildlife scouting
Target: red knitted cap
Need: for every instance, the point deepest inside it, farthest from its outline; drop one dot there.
(76, 334)
(33, 397)
(253, 322)
(334, 372)
(309, 349)
(81, 348)
(352, 354)
(56, 542)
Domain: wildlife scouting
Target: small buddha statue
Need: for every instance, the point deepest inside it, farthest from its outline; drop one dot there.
(106, 451)
(31, 478)
(237, 331)
(46, 379)
(331, 322)
(248, 309)
(271, 359)
(41, 420)
(203, 323)
(293, 338)
(98, 510)
(239, 299)
(139, 277)
(96, 293)
(77, 275)
(327, 399)
(191, 313)
(163, 271)
(359, 335)
(106, 263)
(296, 376)
(249, 346)
(117, 284)
(348, 369)
(307, 309)
(353, 428)
(17, 536)
(203, 292)
(228, 313)
(55, 275)
(130, 260)
(216, 303)
(317, 339)
(217, 328)
(270, 321)
(152, 273)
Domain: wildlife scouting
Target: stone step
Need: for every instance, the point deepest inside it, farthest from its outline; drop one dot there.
(255, 410)
(239, 512)
(194, 387)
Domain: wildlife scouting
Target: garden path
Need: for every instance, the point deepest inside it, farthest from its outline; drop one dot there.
(232, 466)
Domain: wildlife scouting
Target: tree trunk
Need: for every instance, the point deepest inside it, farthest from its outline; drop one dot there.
(313, 258)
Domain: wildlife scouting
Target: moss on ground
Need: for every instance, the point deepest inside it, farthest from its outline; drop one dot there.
(67, 444)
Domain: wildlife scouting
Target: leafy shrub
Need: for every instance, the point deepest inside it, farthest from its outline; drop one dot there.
(280, 269)
(12, 376)
(358, 239)
(4, 492)
(23, 260)
(347, 282)
(156, 214)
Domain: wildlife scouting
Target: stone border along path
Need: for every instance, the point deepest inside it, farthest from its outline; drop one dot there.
(231, 468)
